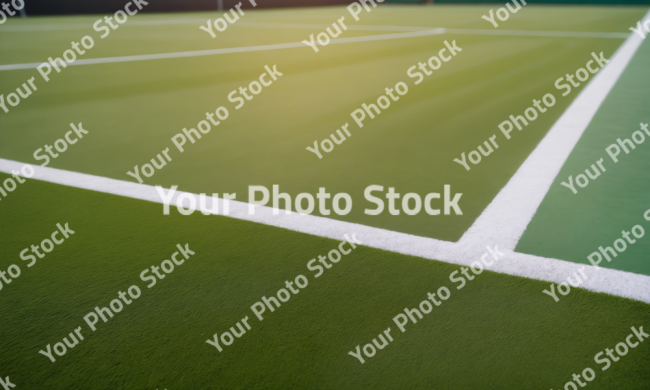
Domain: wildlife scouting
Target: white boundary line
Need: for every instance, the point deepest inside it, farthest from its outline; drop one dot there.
(620, 283)
(466, 31)
(245, 49)
(419, 32)
(304, 26)
(534, 33)
(85, 26)
(536, 175)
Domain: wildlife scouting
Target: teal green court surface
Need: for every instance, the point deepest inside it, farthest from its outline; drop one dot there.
(572, 226)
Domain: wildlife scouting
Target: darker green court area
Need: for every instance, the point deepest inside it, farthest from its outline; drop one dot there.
(497, 332)
(572, 226)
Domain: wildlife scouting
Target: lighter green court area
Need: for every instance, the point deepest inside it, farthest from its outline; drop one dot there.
(133, 109)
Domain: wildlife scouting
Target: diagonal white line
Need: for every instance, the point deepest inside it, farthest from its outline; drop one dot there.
(245, 49)
(609, 281)
(506, 218)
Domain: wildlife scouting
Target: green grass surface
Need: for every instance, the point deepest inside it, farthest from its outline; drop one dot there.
(613, 202)
(133, 109)
(497, 332)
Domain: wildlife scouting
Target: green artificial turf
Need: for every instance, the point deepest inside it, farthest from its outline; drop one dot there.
(572, 226)
(497, 332)
(132, 110)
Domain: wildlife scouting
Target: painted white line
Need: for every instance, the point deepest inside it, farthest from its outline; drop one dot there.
(383, 37)
(357, 27)
(246, 49)
(533, 33)
(464, 31)
(198, 22)
(149, 57)
(516, 204)
(413, 32)
(51, 27)
(304, 26)
(608, 281)
(88, 26)
(200, 53)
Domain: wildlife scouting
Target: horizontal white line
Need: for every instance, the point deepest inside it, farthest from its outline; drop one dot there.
(88, 26)
(245, 49)
(464, 31)
(198, 22)
(322, 27)
(527, 33)
(148, 57)
(534, 33)
(609, 281)
(280, 46)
